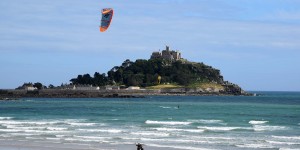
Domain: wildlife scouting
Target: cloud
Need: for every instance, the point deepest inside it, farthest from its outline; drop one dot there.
(55, 27)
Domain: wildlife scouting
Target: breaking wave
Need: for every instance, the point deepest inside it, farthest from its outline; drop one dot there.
(168, 122)
(254, 122)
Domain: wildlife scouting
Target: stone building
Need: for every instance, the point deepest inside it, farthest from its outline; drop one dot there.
(167, 54)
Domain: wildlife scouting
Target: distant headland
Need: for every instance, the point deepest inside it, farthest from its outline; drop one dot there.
(165, 73)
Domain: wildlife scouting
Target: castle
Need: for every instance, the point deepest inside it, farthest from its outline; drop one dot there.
(167, 54)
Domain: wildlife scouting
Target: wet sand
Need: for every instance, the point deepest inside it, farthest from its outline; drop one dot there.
(49, 145)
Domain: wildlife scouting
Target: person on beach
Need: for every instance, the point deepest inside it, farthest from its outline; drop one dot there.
(139, 146)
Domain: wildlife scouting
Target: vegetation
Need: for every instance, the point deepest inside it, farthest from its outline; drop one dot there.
(206, 85)
(36, 85)
(154, 74)
(145, 73)
(165, 86)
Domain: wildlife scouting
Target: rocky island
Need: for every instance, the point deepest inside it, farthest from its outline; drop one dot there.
(165, 73)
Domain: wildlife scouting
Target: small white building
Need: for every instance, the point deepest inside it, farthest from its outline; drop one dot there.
(109, 87)
(30, 88)
(133, 88)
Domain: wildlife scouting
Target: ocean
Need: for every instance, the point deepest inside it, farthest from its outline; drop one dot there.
(268, 121)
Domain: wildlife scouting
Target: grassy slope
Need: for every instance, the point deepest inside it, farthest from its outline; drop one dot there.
(194, 85)
(165, 86)
(206, 85)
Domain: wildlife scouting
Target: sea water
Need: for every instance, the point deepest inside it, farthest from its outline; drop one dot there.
(268, 121)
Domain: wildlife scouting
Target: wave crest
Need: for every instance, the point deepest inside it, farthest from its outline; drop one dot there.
(168, 122)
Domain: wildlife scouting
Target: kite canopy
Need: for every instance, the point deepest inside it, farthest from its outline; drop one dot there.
(107, 14)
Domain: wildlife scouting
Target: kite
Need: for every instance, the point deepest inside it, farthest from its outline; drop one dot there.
(107, 14)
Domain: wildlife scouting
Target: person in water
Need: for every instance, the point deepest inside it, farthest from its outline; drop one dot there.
(139, 146)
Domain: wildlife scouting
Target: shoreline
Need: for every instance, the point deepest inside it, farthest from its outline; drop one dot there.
(68, 93)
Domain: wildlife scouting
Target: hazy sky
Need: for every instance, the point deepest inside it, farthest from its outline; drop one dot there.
(255, 43)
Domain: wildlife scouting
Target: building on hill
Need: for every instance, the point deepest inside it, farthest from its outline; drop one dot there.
(167, 54)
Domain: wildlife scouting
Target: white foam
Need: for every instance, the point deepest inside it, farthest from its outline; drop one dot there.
(10, 130)
(180, 130)
(23, 134)
(6, 118)
(101, 130)
(151, 134)
(210, 138)
(168, 122)
(60, 136)
(72, 139)
(184, 141)
(130, 138)
(32, 123)
(254, 146)
(203, 121)
(287, 137)
(282, 143)
(25, 128)
(255, 122)
(56, 128)
(91, 137)
(9, 122)
(81, 124)
(87, 139)
(55, 139)
(268, 128)
(5, 135)
(165, 107)
(222, 128)
(34, 138)
(44, 131)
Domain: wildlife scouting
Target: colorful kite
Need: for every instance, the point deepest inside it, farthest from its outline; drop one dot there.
(107, 14)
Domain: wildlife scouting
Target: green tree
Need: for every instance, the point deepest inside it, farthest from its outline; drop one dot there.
(38, 85)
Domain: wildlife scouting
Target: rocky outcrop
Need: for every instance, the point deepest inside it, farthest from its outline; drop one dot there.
(59, 93)
(63, 94)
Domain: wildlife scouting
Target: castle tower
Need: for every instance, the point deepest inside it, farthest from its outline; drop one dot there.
(167, 54)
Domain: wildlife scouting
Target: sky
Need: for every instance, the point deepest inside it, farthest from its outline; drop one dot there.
(255, 43)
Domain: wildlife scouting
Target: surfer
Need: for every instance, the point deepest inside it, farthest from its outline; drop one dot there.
(139, 146)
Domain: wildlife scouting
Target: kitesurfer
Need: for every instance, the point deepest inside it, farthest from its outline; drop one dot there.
(139, 146)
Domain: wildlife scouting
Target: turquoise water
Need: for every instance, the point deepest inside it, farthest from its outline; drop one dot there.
(268, 121)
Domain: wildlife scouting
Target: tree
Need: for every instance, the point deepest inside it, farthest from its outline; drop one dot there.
(145, 73)
(51, 86)
(99, 79)
(38, 85)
